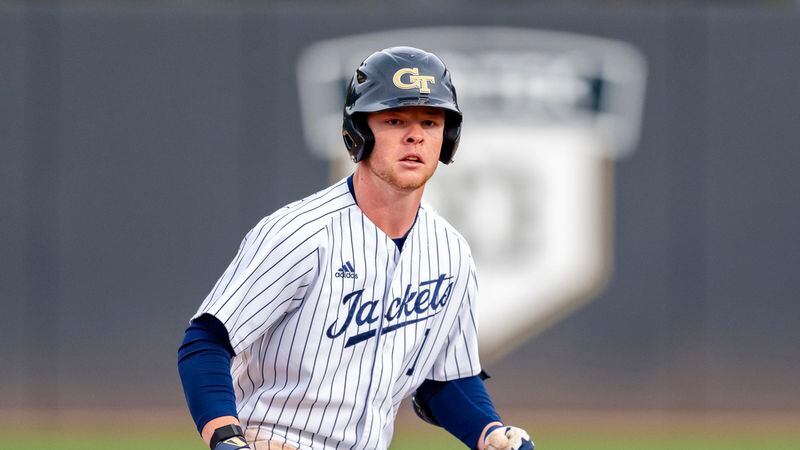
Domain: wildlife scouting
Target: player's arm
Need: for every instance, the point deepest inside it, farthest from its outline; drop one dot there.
(454, 399)
(463, 408)
(459, 401)
(204, 359)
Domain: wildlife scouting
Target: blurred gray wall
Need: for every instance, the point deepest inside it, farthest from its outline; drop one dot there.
(140, 143)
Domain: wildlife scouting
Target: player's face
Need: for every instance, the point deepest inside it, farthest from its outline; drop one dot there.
(408, 141)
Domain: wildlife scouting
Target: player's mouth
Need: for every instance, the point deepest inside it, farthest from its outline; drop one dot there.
(412, 160)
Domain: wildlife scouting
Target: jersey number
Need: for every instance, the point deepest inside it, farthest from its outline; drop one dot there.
(410, 370)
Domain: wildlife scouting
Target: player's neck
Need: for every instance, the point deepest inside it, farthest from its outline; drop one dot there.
(390, 209)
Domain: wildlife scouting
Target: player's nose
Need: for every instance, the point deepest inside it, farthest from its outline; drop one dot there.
(414, 134)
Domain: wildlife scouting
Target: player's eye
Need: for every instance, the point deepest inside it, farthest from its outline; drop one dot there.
(393, 121)
(429, 123)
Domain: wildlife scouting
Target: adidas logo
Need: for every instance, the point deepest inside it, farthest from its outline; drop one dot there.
(347, 271)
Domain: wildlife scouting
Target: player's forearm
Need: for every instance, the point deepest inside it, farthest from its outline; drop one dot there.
(204, 367)
(462, 407)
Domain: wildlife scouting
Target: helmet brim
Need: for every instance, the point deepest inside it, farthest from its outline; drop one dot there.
(404, 102)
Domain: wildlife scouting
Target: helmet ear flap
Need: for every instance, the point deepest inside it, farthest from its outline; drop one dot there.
(358, 137)
(452, 134)
(360, 121)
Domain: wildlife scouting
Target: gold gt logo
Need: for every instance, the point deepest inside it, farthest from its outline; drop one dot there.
(415, 80)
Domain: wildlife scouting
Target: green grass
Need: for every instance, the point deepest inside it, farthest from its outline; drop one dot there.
(581, 441)
(723, 438)
(553, 434)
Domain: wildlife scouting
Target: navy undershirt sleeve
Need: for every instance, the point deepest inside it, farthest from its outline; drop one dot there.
(462, 406)
(204, 365)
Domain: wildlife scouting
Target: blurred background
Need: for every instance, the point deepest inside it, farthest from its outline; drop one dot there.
(139, 141)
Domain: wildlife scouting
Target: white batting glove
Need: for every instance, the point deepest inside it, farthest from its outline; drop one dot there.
(501, 437)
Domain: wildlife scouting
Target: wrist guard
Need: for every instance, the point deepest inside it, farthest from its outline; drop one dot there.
(228, 437)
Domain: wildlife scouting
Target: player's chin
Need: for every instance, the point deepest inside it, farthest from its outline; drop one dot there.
(413, 179)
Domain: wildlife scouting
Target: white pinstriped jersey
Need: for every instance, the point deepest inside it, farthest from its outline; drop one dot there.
(333, 326)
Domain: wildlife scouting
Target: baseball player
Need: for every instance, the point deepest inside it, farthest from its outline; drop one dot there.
(340, 305)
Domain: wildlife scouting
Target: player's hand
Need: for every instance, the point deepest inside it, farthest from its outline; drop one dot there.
(233, 443)
(501, 437)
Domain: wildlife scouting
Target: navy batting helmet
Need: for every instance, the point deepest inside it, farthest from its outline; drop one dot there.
(396, 77)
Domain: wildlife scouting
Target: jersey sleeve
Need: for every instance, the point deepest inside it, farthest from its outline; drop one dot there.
(266, 281)
(459, 357)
